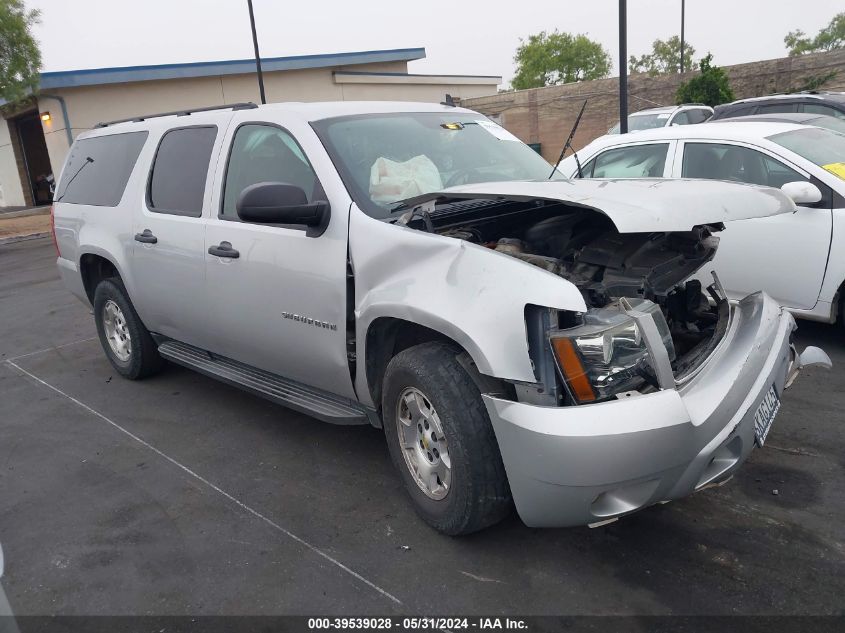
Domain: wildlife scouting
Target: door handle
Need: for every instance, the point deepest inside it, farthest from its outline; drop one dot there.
(146, 237)
(224, 249)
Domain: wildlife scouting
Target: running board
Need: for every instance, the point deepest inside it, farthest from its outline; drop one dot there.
(288, 393)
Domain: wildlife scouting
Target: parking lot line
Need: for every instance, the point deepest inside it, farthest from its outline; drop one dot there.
(217, 489)
(50, 349)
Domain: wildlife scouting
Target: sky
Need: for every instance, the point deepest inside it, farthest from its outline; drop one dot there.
(460, 36)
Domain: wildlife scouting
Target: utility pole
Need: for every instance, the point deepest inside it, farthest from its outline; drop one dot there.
(683, 2)
(257, 55)
(623, 67)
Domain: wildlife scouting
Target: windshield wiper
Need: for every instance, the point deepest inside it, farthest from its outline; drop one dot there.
(569, 144)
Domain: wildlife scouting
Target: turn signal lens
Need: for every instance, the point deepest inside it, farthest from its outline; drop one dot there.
(573, 370)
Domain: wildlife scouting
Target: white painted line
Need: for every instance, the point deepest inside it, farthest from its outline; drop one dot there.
(216, 489)
(50, 349)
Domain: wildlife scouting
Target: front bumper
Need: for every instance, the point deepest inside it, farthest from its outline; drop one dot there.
(591, 463)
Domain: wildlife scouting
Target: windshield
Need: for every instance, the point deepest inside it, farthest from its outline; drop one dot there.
(385, 158)
(822, 147)
(643, 122)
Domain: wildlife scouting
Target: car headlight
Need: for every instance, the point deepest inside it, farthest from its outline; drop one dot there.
(609, 354)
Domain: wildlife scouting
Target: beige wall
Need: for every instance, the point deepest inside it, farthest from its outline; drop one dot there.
(11, 193)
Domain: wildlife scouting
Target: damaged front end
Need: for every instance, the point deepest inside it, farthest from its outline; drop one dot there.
(645, 326)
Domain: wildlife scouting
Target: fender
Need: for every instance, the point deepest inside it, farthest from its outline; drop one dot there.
(471, 294)
(94, 240)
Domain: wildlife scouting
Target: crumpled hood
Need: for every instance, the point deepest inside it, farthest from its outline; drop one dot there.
(637, 205)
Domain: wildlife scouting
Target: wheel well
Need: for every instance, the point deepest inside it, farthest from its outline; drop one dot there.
(385, 339)
(95, 268)
(389, 336)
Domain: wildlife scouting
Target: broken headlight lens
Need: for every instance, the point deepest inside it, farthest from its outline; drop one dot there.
(608, 353)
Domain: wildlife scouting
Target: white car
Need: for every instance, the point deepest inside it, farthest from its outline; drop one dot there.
(684, 114)
(799, 258)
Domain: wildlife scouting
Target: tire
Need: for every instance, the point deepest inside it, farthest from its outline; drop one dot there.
(477, 494)
(115, 315)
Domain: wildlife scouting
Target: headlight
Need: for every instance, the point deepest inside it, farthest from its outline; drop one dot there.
(609, 353)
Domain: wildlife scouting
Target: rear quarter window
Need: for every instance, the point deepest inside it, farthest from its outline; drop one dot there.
(98, 169)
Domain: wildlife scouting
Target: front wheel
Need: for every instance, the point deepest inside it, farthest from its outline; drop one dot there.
(441, 440)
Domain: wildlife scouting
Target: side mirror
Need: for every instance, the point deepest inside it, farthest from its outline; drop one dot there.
(802, 192)
(281, 203)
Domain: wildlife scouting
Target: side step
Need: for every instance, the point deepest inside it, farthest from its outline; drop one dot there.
(288, 393)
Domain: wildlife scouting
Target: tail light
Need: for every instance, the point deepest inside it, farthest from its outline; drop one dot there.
(53, 229)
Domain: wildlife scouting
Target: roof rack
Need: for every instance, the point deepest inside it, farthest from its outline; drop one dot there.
(229, 106)
(692, 103)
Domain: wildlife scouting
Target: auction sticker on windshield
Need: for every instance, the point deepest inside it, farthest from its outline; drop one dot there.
(837, 169)
(765, 415)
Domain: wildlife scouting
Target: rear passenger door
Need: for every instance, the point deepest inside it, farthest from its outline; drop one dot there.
(784, 255)
(169, 235)
(280, 302)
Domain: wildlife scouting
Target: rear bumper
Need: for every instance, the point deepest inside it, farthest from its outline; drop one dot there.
(591, 463)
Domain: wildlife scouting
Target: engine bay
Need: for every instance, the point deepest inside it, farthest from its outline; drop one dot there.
(585, 248)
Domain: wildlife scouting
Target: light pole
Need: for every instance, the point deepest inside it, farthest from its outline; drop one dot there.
(257, 55)
(683, 2)
(623, 67)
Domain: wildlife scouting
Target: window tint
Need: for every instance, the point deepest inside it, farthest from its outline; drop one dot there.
(638, 161)
(682, 118)
(263, 153)
(819, 108)
(698, 115)
(177, 183)
(770, 108)
(742, 111)
(738, 164)
(98, 169)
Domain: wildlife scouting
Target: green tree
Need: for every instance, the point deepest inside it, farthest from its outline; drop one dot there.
(710, 86)
(665, 57)
(829, 38)
(20, 59)
(547, 59)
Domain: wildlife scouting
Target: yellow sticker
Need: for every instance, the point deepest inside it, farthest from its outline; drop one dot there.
(837, 169)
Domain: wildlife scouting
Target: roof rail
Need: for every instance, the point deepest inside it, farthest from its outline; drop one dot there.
(693, 103)
(144, 117)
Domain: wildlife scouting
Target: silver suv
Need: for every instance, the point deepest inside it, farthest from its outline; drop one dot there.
(521, 338)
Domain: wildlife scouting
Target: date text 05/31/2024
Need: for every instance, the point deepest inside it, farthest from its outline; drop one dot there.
(417, 623)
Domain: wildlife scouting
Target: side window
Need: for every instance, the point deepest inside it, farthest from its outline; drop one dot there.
(739, 164)
(682, 118)
(698, 115)
(264, 153)
(742, 111)
(637, 161)
(773, 108)
(819, 108)
(98, 169)
(180, 169)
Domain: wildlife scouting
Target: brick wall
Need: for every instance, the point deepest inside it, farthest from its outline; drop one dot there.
(546, 115)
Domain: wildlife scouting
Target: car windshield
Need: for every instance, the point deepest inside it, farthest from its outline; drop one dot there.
(822, 147)
(385, 158)
(643, 122)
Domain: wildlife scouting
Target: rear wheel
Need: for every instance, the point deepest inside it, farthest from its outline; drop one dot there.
(441, 440)
(126, 342)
